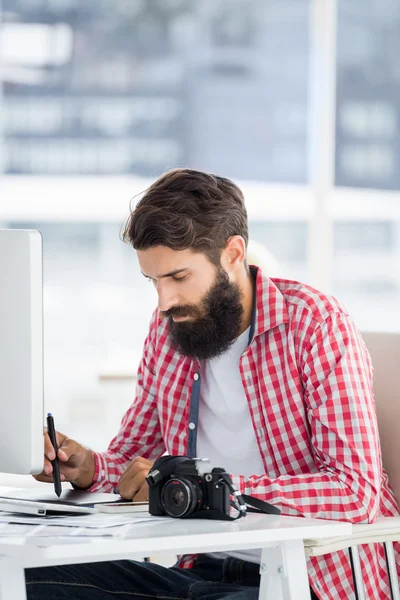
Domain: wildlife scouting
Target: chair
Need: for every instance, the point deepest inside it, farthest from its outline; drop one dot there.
(385, 352)
(259, 255)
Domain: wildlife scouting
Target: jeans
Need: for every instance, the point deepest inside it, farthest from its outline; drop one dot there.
(209, 579)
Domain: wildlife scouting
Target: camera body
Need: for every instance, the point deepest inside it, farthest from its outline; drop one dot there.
(181, 487)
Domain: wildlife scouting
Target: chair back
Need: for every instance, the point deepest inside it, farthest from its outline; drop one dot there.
(385, 353)
(261, 256)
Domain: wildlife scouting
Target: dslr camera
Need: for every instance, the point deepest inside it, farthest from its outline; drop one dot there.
(183, 487)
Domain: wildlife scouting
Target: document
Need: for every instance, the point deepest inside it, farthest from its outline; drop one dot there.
(92, 521)
(45, 531)
(61, 528)
(8, 530)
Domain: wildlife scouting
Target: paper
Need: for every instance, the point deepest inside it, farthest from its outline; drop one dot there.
(61, 529)
(44, 532)
(94, 521)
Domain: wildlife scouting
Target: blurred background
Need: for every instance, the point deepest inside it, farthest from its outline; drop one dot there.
(296, 100)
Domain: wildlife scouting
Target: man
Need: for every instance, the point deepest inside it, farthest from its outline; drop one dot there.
(269, 379)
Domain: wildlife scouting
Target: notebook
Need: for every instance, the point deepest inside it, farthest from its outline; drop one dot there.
(33, 502)
(31, 507)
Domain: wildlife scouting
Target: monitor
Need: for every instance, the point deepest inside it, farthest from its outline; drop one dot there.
(21, 352)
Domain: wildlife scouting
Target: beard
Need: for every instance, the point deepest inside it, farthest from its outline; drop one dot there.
(216, 321)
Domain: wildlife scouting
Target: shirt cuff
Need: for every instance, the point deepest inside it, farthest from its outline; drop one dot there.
(100, 474)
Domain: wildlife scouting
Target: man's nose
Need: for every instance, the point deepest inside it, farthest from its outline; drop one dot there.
(166, 297)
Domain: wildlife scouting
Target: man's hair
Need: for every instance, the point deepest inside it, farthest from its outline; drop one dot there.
(188, 209)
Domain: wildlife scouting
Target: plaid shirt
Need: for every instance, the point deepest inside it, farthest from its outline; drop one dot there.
(307, 377)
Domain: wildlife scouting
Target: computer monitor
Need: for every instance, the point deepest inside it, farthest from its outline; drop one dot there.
(21, 352)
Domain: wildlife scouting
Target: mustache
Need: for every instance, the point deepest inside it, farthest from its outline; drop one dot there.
(180, 311)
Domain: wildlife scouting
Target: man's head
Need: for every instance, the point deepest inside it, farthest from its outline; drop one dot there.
(190, 232)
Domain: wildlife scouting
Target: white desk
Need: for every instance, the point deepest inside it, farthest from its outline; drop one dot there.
(283, 564)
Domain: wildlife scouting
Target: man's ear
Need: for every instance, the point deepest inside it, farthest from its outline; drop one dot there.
(234, 253)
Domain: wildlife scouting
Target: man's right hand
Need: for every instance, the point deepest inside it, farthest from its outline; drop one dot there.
(76, 461)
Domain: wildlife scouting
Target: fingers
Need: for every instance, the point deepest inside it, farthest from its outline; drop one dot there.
(46, 478)
(133, 481)
(49, 455)
(66, 447)
(129, 487)
(140, 463)
(143, 494)
(48, 467)
(76, 462)
(49, 451)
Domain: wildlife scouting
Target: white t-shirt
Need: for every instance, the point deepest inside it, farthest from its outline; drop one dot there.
(225, 431)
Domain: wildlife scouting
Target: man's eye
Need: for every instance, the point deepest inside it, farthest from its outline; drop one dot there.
(149, 279)
(179, 278)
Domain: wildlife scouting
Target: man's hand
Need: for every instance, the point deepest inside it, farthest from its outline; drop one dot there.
(76, 462)
(133, 485)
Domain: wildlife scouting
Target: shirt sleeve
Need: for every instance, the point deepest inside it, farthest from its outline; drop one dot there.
(139, 433)
(337, 377)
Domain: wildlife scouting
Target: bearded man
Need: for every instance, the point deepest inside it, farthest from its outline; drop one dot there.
(267, 378)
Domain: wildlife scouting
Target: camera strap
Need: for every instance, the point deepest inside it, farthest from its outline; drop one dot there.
(243, 503)
(259, 506)
(256, 505)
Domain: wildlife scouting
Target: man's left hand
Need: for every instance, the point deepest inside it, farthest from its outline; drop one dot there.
(133, 485)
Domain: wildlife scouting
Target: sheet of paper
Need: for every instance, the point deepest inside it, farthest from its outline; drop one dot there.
(28, 532)
(94, 521)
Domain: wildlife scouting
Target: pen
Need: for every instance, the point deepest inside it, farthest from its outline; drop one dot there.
(56, 468)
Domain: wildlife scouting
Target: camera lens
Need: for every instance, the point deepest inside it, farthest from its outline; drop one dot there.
(180, 497)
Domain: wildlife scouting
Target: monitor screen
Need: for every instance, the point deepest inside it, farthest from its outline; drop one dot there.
(21, 352)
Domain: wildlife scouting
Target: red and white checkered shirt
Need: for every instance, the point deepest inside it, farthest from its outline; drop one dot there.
(308, 381)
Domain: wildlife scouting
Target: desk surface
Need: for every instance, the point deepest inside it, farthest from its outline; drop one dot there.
(176, 536)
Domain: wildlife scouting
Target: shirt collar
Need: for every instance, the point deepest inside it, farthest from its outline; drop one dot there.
(269, 307)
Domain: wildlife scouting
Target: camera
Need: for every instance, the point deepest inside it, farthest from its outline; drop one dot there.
(183, 487)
